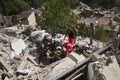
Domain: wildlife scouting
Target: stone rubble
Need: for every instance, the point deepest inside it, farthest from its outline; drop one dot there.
(27, 67)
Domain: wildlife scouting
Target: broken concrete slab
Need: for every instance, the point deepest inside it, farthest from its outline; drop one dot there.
(76, 57)
(64, 65)
(22, 65)
(5, 39)
(18, 46)
(5, 65)
(6, 78)
(24, 61)
(11, 33)
(101, 70)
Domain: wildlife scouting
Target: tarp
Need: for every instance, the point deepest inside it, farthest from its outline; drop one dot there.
(39, 35)
(36, 32)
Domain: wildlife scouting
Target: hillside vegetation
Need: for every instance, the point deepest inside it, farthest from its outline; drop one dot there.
(11, 7)
(57, 14)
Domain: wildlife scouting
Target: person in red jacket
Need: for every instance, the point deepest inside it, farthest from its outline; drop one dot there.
(69, 48)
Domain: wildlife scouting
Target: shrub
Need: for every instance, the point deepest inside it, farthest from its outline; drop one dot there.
(100, 33)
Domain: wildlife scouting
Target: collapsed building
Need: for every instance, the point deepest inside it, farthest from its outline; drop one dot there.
(41, 56)
(22, 58)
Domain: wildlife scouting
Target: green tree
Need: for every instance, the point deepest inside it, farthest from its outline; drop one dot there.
(21, 5)
(101, 34)
(83, 30)
(118, 3)
(11, 7)
(14, 18)
(36, 3)
(1, 6)
(58, 16)
(71, 3)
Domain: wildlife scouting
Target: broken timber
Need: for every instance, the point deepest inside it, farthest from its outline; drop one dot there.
(32, 59)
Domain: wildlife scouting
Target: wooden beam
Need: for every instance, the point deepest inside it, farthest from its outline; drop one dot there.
(32, 60)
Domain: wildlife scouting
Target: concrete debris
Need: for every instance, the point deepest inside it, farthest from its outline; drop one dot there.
(22, 65)
(20, 58)
(62, 66)
(24, 61)
(5, 65)
(99, 70)
(11, 33)
(41, 55)
(18, 46)
(85, 41)
(5, 39)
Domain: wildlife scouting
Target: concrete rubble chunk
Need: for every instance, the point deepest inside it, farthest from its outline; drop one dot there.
(65, 65)
(27, 64)
(85, 41)
(76, 57)
(24, 61)
(6, 78)
(7, 67)
(22, 65)
(98, 70)
(5, 39)
(18, 46)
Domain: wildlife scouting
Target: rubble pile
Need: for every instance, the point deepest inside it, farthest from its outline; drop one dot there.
(85, 41)
(42, 56)
(103, 67)
(19, 59)
(5, 49)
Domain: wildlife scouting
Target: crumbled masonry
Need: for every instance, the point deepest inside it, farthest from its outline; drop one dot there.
(33, 65)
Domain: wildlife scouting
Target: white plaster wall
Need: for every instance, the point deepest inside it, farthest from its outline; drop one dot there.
(32, 20)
